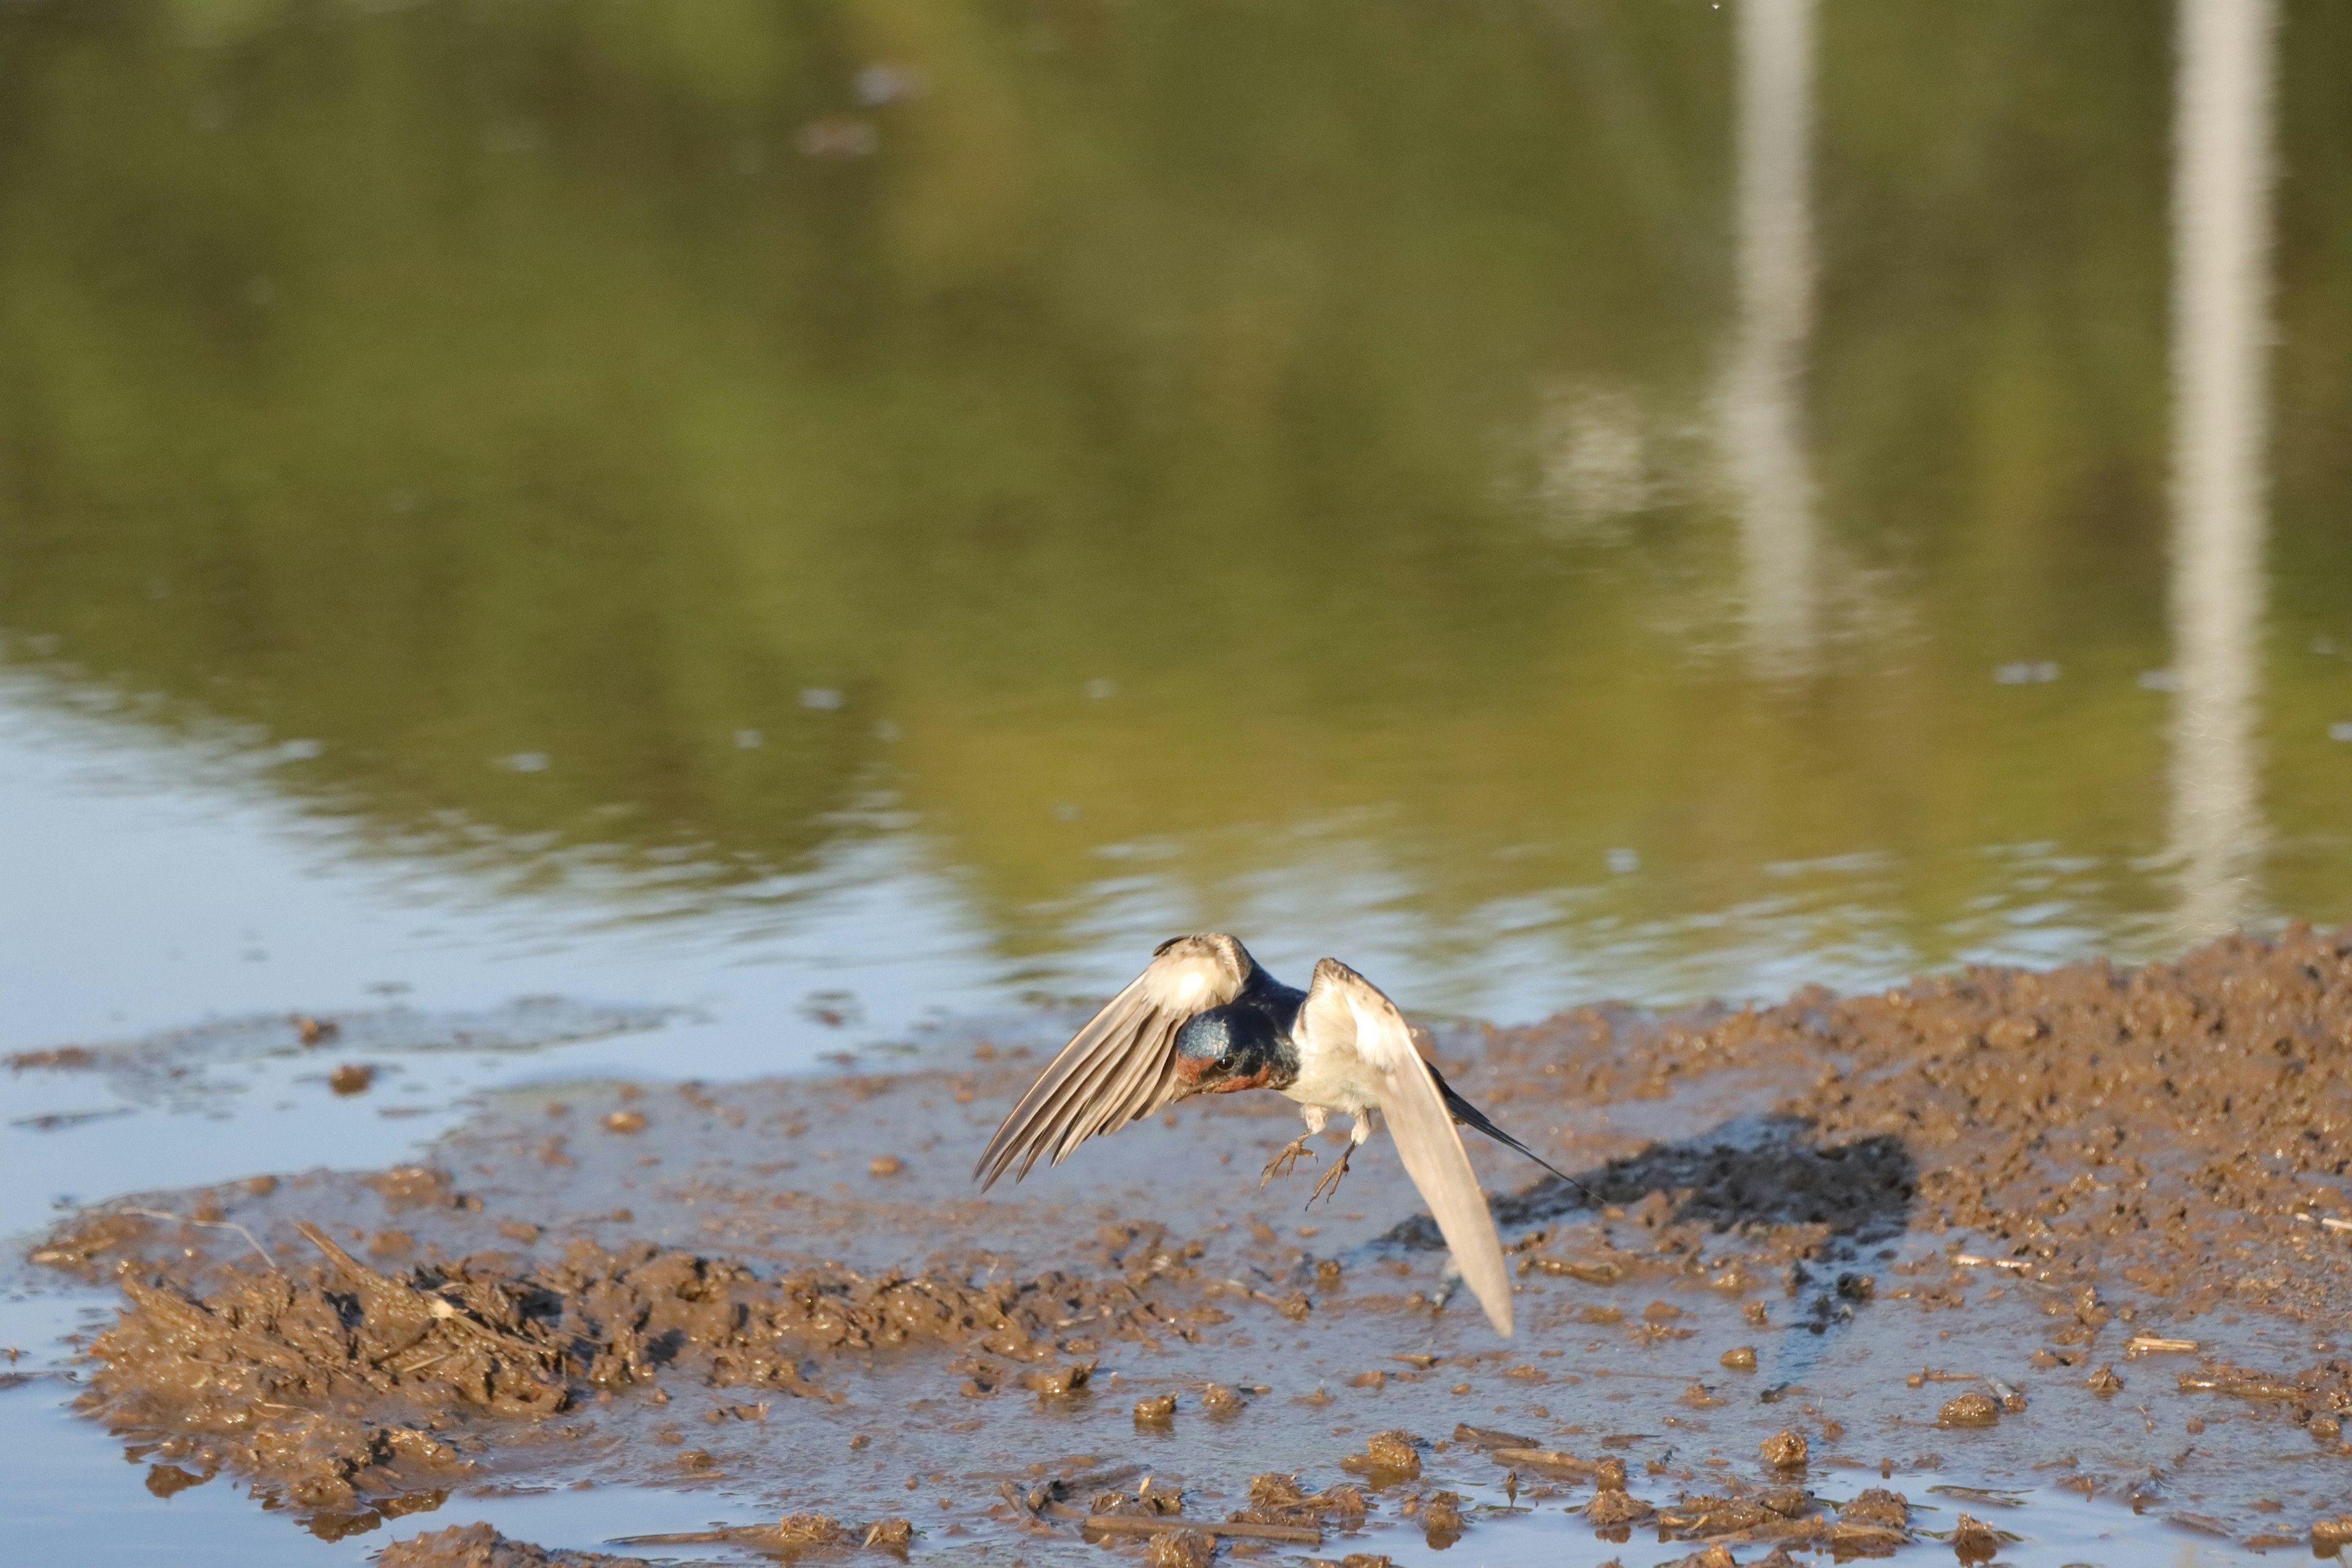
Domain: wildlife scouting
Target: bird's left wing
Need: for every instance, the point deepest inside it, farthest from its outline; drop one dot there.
(1343, 1009)
(1122, 1064)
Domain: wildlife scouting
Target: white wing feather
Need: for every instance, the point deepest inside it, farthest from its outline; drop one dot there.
(1341, 1007)
(1122, 1065)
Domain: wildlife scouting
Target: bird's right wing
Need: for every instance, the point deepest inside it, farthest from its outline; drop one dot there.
(1343, 1009)
(1122, 1065)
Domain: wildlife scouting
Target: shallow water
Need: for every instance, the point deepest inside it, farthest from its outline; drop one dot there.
(819, 527)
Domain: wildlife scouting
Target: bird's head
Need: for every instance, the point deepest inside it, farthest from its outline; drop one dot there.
(1224, 1049)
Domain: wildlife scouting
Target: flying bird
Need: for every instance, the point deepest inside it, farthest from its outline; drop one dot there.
(1203, 1018)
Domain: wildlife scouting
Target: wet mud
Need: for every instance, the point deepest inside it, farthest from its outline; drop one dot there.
(1849, 1276)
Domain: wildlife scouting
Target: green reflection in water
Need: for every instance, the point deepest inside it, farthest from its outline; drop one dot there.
(1334, 385)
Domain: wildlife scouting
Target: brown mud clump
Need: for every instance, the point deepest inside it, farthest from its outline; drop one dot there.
(1219, 1400)
(1277, 1498)
(1389, 1458)
(1879, 1507)
(1974, 1409)
(1717, 1556)
(1611, 1509)
(480, 1546)
(1062, 1382)
(1181, 1548)
(1155, 1410)
(1784, 1449)
(1974, 1541)
(1440, 1518)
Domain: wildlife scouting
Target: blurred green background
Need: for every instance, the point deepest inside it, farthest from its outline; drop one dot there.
(1207, 444)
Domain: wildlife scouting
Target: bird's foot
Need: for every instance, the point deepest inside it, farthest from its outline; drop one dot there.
(1329, 1184)
(1282, 1163)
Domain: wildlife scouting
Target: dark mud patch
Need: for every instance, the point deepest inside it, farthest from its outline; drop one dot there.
(2105, 1209)
(344, 1389)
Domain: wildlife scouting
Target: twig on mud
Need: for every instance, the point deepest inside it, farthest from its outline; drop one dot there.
(2146, 1344)
(1970, 1260)
(1131, 1524)
(251, 1240)
(2342, 1225)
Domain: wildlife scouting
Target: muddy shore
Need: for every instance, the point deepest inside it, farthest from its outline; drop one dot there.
(1855, 1273)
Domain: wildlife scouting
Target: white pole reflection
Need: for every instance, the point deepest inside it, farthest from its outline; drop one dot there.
(2220, 233)
(1763, 416)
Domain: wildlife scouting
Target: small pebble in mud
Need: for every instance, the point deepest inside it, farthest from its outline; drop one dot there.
(1974, 1409)
(261, 1186)
(2193, 1425)
(886, 1165)
(1783, 1450)
(1062, 1382)
(1754, 1312)
(390, 1243)
(520, 1230)
(1741, 1357)
(1877, 1506)
(1388, 1457)
(1219, 1400)
(1460, 1388)
(807, 1529)
(890, 1534)
(1609, 1474)
(1616, 1508)
(1156, 1411)
(1440, 1518)
(1375, 1378)
(1974, 1541)
(860, 1441)
(626, 1122)
(1716, 1557)
(696, 1459)
(351, 1078)
(1661, 1311)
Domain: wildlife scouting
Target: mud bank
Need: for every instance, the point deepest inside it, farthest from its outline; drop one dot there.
(1856, 1274)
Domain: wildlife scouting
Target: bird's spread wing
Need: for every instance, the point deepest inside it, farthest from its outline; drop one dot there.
(1122, 1065)
(1343, 1008)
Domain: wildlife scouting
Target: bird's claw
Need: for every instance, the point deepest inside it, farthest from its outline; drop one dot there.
(1328, 1187)
(1282, 1162)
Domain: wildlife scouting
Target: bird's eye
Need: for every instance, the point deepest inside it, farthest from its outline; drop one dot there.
(1225, 1062)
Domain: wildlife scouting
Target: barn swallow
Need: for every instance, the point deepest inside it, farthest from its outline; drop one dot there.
(1203, 1018)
